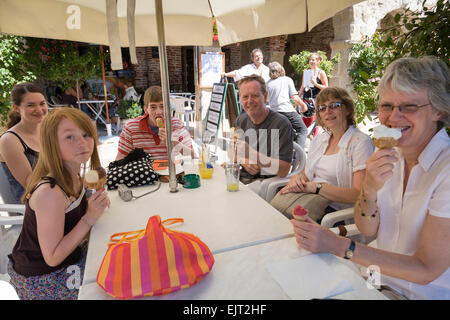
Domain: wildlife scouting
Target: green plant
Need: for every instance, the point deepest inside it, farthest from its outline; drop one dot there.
(368, 60)
(300, 62)
(421, 33)
(11, 71)
(61, 61)
(128, 109)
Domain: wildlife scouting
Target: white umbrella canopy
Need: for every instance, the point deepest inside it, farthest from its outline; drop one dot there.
(187, 22)
(162, 22)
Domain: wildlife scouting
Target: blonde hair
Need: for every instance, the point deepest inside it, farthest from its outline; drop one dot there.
(50, 161)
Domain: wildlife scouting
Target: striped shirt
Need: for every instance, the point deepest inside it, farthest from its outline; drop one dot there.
(137, 134)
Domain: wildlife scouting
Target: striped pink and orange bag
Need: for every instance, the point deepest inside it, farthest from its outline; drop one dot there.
(153, 261)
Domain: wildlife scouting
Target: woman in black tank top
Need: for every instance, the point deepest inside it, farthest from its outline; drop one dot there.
(58, 216)
(17, 158)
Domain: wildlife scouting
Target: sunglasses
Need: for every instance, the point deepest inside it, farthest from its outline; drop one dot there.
(332, 106)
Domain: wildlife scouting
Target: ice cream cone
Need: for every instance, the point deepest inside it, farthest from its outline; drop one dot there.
(383, 143)
(300, 213)
(160, 122)
(95, 179)
(384, 137)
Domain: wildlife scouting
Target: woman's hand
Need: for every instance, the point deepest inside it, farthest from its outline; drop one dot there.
(97, 204)
(296, 183)
(313, 237)
(379, 169)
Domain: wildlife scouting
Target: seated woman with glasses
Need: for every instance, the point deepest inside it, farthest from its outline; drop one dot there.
(335, 168)
(404, 198)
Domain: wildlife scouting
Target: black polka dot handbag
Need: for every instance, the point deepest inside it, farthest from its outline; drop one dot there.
(134, 170)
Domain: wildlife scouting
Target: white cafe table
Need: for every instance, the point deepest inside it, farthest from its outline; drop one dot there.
(221, 219)
(242, 274)
(96, 107)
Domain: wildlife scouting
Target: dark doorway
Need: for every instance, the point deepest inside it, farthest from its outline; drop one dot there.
(188, 69)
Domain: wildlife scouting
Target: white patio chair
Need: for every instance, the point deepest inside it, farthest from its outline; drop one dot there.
(269, 187)
(183, 108)
(9, 235)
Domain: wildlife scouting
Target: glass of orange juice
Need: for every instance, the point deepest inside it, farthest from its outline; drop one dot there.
(232, 176)
(205, 170)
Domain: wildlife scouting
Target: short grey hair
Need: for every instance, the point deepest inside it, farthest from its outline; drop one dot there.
(255, 51)
(276, 70)
(409, 75)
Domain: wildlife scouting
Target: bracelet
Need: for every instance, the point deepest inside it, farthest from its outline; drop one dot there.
(362, 197)
(82, 219)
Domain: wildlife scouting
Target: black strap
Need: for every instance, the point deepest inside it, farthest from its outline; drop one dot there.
(27, 149)
(25, 146)
(46, 179)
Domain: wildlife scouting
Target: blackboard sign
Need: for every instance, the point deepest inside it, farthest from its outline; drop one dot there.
(212, 64)
(222, 94)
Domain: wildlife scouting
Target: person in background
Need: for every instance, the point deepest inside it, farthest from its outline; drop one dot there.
(281, 90)
(404, 195)
(58, 216)
(336, 163)
(257, 67)
(314, 80)
(143, 132)
(20, 145)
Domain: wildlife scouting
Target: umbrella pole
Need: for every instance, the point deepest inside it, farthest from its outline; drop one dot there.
(108, 124)
(165, 91)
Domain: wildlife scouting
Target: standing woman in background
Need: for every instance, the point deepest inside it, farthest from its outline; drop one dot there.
(281, 90)
(314, 80)
(19, 145)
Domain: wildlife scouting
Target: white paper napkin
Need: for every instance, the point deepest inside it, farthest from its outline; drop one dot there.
(315, 276)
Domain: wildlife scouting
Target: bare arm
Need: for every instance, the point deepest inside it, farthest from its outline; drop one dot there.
(13, 155)
(379, 168)
(431, 259)
(230, 74)
(49, 205)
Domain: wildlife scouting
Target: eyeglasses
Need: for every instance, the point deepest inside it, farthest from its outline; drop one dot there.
(406, 108)
(332, 106)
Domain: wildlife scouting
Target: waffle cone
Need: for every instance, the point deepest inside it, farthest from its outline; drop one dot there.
(160, 123)
(384, 143)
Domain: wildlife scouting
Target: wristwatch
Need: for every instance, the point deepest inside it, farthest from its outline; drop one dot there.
(350, 251)
(318, 187)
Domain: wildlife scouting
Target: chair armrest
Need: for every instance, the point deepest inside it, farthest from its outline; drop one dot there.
(6, 221)
(273, 187)
(17, 208)
(330, 219)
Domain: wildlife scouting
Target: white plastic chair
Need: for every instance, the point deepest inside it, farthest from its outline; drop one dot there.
(269, 187)
(7, 291)
(9, 235)
(346, 216)
(184, 107)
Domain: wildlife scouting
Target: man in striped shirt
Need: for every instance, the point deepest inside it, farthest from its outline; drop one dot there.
(143, 132)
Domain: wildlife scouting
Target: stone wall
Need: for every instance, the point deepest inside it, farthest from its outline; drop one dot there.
(352, 24)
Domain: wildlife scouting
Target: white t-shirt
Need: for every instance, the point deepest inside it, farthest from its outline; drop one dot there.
(130, 93)
(250, 69)
(355, 148)
(402, 217)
